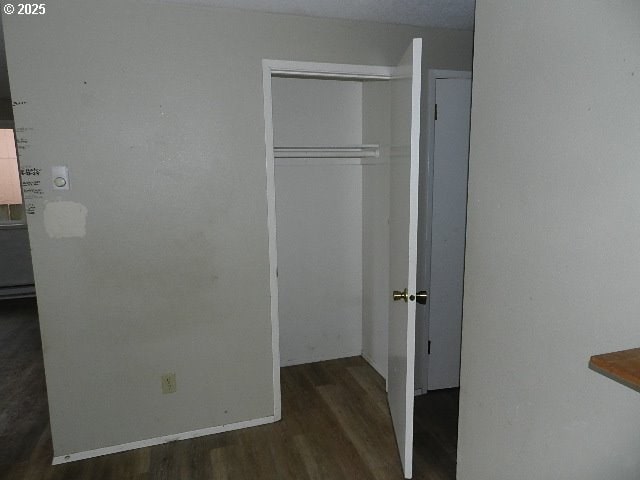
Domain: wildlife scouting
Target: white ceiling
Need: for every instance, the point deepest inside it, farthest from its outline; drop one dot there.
(457, 14)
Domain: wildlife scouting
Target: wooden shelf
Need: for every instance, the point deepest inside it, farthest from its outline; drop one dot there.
(623, 367)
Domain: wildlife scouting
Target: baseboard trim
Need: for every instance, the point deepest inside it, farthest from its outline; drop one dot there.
(373, 364)
(73, 457)
(318, 358)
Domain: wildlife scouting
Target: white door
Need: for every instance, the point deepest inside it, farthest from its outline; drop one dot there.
(403, 224)
(448, 227)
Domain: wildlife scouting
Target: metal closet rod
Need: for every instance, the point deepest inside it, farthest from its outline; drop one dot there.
(331, 151)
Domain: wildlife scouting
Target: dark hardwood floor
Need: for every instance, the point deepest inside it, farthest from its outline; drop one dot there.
(335, 425)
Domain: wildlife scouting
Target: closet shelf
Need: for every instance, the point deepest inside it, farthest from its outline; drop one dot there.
(348, 151)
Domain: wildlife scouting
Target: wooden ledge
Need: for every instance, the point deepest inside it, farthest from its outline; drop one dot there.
(623, 367)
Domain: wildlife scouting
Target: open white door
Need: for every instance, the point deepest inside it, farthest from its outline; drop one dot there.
(403, 225)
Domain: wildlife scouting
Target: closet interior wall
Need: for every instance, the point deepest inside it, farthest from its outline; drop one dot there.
(376, 292)
(331, 220)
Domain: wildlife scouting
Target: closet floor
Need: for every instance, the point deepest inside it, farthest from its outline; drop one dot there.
(335, 425)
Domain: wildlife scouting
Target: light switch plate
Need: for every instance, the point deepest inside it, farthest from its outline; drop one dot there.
(60, 177)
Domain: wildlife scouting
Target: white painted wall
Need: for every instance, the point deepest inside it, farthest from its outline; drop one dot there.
(375, 223)
(553, 258)
(319, 222)
(159, 116)
(308, 111)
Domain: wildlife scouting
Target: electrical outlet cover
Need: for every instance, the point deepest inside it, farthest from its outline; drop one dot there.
(169, 383)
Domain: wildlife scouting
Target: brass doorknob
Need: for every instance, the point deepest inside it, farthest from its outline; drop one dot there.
(422, 296)
(398, 295)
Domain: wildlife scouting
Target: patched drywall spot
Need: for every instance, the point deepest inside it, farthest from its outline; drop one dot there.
(65, 219)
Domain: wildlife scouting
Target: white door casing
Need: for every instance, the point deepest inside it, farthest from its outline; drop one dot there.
(296, 69)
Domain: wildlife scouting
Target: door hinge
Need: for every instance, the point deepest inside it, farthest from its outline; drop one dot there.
(436, 114)
(429, 347)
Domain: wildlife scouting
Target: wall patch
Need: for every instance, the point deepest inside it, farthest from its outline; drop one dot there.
(65, 219)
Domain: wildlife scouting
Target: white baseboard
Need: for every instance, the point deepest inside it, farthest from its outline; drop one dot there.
(375, 366)
(72, 457)
(322, 357)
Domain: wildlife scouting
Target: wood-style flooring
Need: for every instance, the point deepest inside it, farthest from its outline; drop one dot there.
(335, 426)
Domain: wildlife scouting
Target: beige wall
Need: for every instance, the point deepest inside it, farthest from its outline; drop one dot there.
(158, 112)
(376, 129)
(553, 258)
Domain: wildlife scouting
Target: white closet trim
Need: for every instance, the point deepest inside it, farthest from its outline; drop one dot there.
(330, 70)
(286, 68)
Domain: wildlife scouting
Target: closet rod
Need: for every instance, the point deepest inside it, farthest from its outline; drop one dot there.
(349, 151)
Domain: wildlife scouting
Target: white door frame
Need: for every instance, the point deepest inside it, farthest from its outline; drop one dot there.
(285, 68)
(432, 76)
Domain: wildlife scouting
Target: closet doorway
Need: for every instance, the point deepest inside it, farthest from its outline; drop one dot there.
(342, 145)
(439, 323)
